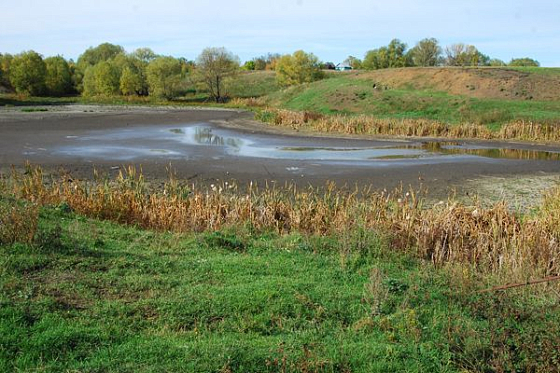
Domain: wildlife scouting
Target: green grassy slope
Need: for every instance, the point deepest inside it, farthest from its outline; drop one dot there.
(95, 296)
(253, 84)
(355, 94)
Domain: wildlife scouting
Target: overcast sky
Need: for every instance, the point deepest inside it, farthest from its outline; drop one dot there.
(331, 29)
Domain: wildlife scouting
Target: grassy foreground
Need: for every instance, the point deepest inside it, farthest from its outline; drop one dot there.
(88, 295)
(94, 296)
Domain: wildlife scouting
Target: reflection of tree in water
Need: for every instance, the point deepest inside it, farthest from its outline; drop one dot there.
(206, 137)
(442, 147)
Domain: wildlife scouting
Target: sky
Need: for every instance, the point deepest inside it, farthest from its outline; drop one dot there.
(332, 30)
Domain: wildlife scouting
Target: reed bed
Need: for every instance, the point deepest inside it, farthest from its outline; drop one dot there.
(370, 125)
(493, 239)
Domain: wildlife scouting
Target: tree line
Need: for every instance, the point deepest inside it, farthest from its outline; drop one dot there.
(108, 70)
(104, 70)
(427, 52)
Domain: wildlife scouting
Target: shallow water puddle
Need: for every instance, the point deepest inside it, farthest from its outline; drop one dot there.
(248, 148)
(206, 141)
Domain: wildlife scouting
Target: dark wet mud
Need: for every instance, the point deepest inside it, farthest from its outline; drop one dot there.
(209, 146)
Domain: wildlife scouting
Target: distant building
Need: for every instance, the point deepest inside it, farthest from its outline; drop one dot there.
(343, 66)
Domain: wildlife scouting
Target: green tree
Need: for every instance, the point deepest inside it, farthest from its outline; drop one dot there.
(397, 54)
(138, 65)
(426, 52)
(27, 73)
(496, 62)
(101, 79)
(187, 66)
(375, 59)
(130, 82)
(214, 66)
(393, 55)
(132, 74)
(354, 62)
(58, 78)
(260, 63)
(300, 67)
(163, 76)
(483, 59)
(526, 61)
(144, 54)
(103, 52)
(465, 55)
(5, 62)
(91, 57)
(249, 65)
(1, 70)
(266, 62)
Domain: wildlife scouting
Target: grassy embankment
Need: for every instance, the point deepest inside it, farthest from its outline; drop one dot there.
(480, 96)
(487, 103)
(269, 280)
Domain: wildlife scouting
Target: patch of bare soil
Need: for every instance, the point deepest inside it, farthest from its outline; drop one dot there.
(521, 192)
(498, 83)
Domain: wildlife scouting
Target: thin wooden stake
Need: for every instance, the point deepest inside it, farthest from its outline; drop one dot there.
(521, 284)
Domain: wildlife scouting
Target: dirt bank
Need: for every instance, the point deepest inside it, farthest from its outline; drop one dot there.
(485, 83)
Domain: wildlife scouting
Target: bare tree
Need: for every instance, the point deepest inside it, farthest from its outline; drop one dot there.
(213, 66)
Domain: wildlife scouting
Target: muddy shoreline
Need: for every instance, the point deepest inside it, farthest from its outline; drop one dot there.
(31, 136)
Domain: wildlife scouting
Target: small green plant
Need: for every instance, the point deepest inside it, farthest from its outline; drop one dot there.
(31, 110)
(226, 241)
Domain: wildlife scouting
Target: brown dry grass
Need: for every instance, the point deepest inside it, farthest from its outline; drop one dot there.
(370, 125)
(493, 239)
(18, 222)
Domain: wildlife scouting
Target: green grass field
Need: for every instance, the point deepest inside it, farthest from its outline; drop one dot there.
(93, 296)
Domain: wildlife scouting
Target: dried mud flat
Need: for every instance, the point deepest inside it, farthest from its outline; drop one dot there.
(81, 138)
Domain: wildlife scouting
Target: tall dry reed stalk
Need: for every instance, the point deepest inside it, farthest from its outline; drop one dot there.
(370, 125)
(494, 239)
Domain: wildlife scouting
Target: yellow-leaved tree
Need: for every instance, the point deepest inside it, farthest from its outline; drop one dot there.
(297, 68)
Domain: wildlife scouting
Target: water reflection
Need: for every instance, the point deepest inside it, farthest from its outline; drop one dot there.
(206, 136)
(501, 153)
(260, 147)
